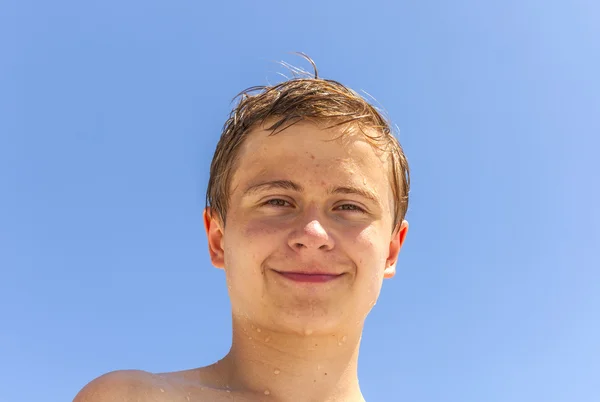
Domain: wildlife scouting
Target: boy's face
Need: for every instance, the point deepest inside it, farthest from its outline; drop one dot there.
(308, 252)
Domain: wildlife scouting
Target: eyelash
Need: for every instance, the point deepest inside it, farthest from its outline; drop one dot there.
(354, 207)
(269, 202)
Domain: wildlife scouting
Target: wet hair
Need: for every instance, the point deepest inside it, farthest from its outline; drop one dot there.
(304, 97)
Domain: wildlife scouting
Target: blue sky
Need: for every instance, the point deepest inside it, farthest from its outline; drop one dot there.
(110, 112)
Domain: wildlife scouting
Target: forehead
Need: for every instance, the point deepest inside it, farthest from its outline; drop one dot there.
(305, 151)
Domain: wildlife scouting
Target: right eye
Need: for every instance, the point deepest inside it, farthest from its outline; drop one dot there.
(276, 202)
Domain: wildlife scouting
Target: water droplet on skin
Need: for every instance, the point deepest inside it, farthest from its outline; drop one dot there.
(267, 339)
(308, 332)
(267, 392)
(162, 390)
(276, 371)
(250, 337)
(344, 338)
(258, 329)
(187, 398)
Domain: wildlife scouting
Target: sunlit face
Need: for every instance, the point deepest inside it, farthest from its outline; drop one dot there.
(308, 238)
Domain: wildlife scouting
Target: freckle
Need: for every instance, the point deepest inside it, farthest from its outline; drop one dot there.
(325, 373)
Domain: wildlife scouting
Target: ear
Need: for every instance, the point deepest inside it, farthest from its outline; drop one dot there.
(395, 245)
(214, 233)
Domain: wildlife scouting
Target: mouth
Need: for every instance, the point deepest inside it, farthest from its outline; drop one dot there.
(313, 277)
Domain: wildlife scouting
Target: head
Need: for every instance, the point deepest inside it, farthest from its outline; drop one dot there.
(306, 202)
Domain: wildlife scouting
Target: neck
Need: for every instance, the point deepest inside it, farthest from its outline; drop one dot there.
(292, 367)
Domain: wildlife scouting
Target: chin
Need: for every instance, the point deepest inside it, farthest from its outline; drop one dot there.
(312, 321)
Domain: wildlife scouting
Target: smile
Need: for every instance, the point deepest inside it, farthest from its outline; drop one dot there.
(309, 277)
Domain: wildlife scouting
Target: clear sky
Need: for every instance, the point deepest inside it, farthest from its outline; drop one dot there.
(110, 111)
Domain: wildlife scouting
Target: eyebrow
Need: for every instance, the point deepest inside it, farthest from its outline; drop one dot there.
(290, 185)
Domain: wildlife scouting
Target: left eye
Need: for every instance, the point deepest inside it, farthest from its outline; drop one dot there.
(350, 207)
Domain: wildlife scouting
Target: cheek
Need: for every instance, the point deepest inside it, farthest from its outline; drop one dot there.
(370, 255)
(371, 246)
(258, 230)
(259, 239)
(248, 243)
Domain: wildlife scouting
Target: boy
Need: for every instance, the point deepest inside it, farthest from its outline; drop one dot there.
(306, 201)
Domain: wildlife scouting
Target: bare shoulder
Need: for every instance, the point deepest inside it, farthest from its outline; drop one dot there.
(122, 386)
(197, 385)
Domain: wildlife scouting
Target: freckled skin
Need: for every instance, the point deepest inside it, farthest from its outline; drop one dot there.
(263, 233)
(291, 342)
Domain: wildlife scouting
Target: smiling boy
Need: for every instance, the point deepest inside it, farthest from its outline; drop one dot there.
(306, 202)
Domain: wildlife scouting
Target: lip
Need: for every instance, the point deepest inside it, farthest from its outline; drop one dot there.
(312, 277)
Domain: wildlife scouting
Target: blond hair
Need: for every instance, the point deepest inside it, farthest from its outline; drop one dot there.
(303, 98)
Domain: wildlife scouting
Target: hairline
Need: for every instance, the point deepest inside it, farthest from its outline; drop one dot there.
(354, 127)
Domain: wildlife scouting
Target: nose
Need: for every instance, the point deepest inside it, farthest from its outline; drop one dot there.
(311, 236)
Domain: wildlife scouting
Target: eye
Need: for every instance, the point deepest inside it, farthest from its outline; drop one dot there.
(351, 207)
(276, 202)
